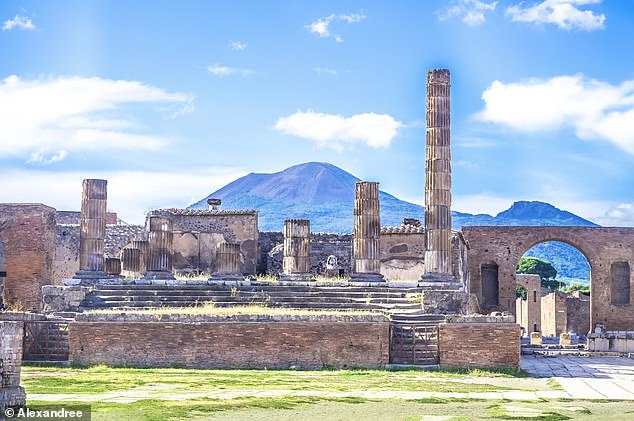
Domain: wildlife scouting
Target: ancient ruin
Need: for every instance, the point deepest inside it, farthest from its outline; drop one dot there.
(92, 230)
(438, 178)
(296, 263)
(437, 296)
(366, 233)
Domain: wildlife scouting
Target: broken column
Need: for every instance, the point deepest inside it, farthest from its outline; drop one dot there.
(438, 179)
(131, 262)
(113, 267)
(296, 263)
(142, 245)
(159, 257)
(366, 232)
(92, 233)
(227, 263)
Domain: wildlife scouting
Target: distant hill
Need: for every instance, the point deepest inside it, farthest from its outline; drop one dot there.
(324, 194)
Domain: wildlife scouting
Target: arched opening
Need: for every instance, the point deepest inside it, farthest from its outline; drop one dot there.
(489, 275)
(553, 291)
(3, 272)
(620, 283)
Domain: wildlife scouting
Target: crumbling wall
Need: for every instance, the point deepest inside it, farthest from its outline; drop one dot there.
(197, 233)
(27, 232)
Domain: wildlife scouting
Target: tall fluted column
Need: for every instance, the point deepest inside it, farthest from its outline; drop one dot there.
(438, 177)
(296, 263)
(92, 230)
(160, 239)
(227, 262)
(366, 233)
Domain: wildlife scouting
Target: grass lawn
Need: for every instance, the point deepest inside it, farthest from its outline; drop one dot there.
(175, 394)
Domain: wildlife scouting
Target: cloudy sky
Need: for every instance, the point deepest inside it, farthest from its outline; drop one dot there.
(171, 100)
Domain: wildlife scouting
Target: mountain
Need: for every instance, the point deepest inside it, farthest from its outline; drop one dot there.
(324, 194)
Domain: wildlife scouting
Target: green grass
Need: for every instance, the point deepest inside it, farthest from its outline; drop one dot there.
(158, 399)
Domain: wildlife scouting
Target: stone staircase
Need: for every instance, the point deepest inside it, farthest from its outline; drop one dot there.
(298, 297)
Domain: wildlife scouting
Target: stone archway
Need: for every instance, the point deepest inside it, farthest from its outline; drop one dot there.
(601, 247)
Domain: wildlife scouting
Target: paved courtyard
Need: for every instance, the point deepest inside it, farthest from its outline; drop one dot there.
(586, 377)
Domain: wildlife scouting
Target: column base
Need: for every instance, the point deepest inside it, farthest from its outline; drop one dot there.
(443, 295)
(366, 277)
(90, 274)
(160, 275)
(299, 277)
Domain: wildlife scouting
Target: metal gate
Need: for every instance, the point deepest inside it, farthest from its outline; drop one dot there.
(414, 344)
(45, 341)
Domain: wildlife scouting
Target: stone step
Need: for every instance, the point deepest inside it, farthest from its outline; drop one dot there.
(258, 299)
(281, 288)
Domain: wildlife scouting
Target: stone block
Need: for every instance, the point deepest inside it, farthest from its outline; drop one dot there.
(536, 338)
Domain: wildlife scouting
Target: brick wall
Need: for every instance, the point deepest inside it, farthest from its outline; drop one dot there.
(11, 394)
(273, 345)
(27, 232)
(479, 345)
(578, 314)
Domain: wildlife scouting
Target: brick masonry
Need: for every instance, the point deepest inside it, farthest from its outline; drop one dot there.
(276, 345)
(479, 345)
(11, 393)
(27, 232)
(600, 245)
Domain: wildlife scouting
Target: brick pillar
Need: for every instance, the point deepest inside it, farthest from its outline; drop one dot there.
(438, 178)
(11, 393)
(92, 230)
(227, 262)
(159, 257)
(366, 234)
(296, 263)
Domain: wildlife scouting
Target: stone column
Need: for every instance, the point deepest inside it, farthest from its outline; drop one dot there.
(296, 263)
(92, 233)
(142, 245)
(131, 261)
(113, 266)
(438, 178)
(160, 239)
(227, 263)
(366, 232)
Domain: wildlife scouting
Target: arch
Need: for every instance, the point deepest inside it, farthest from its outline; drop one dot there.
(490, 279)
(620, 282)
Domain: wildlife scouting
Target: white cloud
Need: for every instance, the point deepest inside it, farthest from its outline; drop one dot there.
(325, 71)
(237, 45)
(321, 26)
(621, 215)
(472, 11)
(74, 113)
(481, 203)
(594, 109)
(130, 193)
(565, 14)
(219, 70)
(19, 22)
(337, 132)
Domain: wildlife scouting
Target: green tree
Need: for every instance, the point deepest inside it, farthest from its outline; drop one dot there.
(520, 292)
(546, 271)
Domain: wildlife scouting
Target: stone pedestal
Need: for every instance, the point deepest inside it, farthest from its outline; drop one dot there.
(366, 234)
(438, 179)
(536, 338)
(160, 240)
(227, 263)
(92, 232)
(440, 297)
(296, 263)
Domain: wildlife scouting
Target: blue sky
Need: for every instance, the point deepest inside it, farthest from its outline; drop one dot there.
(171, 100)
